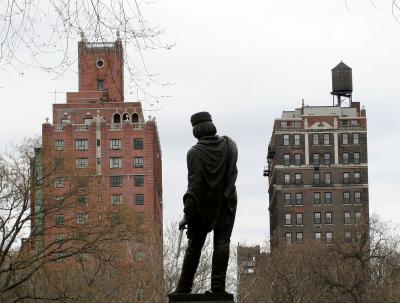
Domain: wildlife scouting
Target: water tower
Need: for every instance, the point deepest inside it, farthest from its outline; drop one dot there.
(342, 84)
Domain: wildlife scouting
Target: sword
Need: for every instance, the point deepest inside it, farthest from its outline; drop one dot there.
(178, 250)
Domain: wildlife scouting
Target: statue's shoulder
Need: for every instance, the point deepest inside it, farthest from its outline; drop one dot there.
(231, 143)
(192, 152)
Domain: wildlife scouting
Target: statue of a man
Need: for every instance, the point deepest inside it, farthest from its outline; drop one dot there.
(210, 201)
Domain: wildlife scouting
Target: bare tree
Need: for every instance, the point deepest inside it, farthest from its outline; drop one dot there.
(43, 34)
(62, 243)
(367, 269)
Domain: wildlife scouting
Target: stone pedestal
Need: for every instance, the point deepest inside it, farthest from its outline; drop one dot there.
(200, 298)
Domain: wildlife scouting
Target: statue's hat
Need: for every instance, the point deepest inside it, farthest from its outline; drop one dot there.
(200, 117)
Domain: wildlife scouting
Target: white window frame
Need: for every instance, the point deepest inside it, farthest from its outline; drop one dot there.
(286, 140)
(82, 162)
(81, 144)
(115, 144)
(58, 144)
(115, 162)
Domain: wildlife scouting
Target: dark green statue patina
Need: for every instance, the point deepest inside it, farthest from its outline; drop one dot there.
(210, 201)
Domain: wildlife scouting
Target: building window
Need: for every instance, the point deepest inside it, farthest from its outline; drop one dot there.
(286, 140)
(139, 255)
(327, 139)
(82, 163)
(299, 199)
(138, 143)
(356, 138)
(284, 124)
(347, 217)
(288, 238)
(138, 162)
(288, 219)
(316, 159)
(115, 219)
(287, 199)
(345, 157)
(357, 177)
(299, 219)
(59, 144)
(347, 237)
(346, 178)
(327, 159)
(328, 218)
(327, 178)
(357, 216)
(99, 198)
(329, 237)
(115, 144)
(81, 144)
(59, 201)
(116, 119)
(116, 181)
(299, 237)
(140, 294)
(316, 178)
(139, 180)
(317, 198)
(296, 139)
(317, 218)
(82, 200)
(328, 198)
(345, 138)
(356, 158)
(298, 178)
(100, 84)
(357, 197)
(346, 197)
(297, 159)
(115, 162)
(139, 199)
(65, 121)
(287, 178)
(286, 159)
(81, 218)
(59, 182)
(315, 139)
(59, 219)
(116, 199)
(317, 237)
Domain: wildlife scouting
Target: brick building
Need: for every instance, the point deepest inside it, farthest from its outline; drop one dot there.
(99, 139)
(318, 169)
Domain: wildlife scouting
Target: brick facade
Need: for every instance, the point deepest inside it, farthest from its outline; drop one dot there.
(98, 136)
(318, 174)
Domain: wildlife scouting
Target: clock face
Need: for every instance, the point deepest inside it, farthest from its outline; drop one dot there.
(100, 63)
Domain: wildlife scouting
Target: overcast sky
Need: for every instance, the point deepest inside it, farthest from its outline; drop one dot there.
(245, 62)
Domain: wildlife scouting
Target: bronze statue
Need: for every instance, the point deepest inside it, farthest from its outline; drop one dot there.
(209, 202)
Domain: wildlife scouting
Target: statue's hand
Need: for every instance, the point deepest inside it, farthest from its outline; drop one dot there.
(183, 223)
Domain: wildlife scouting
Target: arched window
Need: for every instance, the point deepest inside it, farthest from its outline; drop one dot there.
(135, 118)
(125, 117)
(116, 118)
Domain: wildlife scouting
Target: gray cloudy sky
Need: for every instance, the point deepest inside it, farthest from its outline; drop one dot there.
(245, 62)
